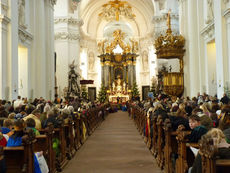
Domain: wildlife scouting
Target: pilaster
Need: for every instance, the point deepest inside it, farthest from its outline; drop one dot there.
(4, 21)
(221, 60)
(12, 48)
(226, 14)
(192, 58)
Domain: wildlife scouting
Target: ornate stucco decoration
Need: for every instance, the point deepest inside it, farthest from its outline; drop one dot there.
(4, 19)
(210, 14)
(114, 9)
(209, 31)
(24, 36)
(226, 1)
(226, 13)
(74, 4)
(169, 46)
(21, 13)
(66, 36)
(68, 20)
(118, 39)
(4, 8)
(53, 2)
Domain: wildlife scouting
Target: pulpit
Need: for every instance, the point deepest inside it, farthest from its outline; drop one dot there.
(171, 46)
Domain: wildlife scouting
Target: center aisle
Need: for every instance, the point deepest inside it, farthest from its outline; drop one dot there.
(114, 147)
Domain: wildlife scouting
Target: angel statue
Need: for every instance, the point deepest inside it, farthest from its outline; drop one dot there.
(73, 86)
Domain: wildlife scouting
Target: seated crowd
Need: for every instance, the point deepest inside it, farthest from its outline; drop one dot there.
(20, 117)
(202, 118)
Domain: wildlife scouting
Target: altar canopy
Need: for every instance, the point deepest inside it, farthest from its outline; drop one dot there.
(118, 69)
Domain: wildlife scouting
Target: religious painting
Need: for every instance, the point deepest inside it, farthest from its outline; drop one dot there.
(145, 91)
(92, 93)
(119, 73)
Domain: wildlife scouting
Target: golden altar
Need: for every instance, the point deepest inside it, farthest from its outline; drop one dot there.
(118, 93)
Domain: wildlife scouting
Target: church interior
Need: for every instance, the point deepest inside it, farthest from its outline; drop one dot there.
(77, 74)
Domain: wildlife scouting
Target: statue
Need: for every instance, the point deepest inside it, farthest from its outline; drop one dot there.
(91, 61)
(73, 87)
(145, 61)
(74, 4)
(119, 83)
(114, 87)
(101, 47)
(134, 46)
(210, 14)
(21, 12)
(124, 86)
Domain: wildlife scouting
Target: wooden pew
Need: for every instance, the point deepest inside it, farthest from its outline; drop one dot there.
(68, 130)
(185, 155)
(210, 162)
(160, 142)
(77, 139)
(61, 160)
(155, 135)
(149, 122)
(44, 142)
(170, 147)
(20, 159)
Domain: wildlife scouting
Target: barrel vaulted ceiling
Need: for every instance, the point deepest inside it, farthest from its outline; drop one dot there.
(98, 28)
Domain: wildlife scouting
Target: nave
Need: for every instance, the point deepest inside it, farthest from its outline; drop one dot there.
(114, 147)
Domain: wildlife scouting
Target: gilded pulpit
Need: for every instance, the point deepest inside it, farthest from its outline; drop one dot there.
(168, 47)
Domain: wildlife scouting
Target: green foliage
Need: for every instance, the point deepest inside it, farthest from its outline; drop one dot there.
(102, 96)
(84, 93)
(135, 92)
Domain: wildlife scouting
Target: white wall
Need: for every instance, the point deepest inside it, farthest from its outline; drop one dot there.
(23, 71)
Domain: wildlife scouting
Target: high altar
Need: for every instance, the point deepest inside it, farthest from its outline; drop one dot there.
(118, 69)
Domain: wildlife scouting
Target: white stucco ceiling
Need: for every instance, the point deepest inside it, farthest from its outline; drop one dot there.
(98, 28)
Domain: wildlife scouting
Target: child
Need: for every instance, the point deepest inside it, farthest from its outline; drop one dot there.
(16, 140)
(198, 130)
(30, 123)
(16, 137)
(7, 126)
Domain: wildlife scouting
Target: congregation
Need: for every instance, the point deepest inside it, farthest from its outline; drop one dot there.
(204, 118)
(182, 132)
(22, 121)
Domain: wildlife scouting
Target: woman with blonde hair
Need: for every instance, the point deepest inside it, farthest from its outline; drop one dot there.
(215, 137)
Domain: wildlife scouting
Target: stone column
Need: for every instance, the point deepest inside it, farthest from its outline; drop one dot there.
(125, 73)
(50, 76)
(134, 70)
(12, 47)
(227, 17)
(220, 39)
(189, 29)
(39, 49)
(130, 75)
(112, 74)
(4, 21)
(106, 74)
(102, 74)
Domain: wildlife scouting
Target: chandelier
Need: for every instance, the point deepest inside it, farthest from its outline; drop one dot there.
(114, 9)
